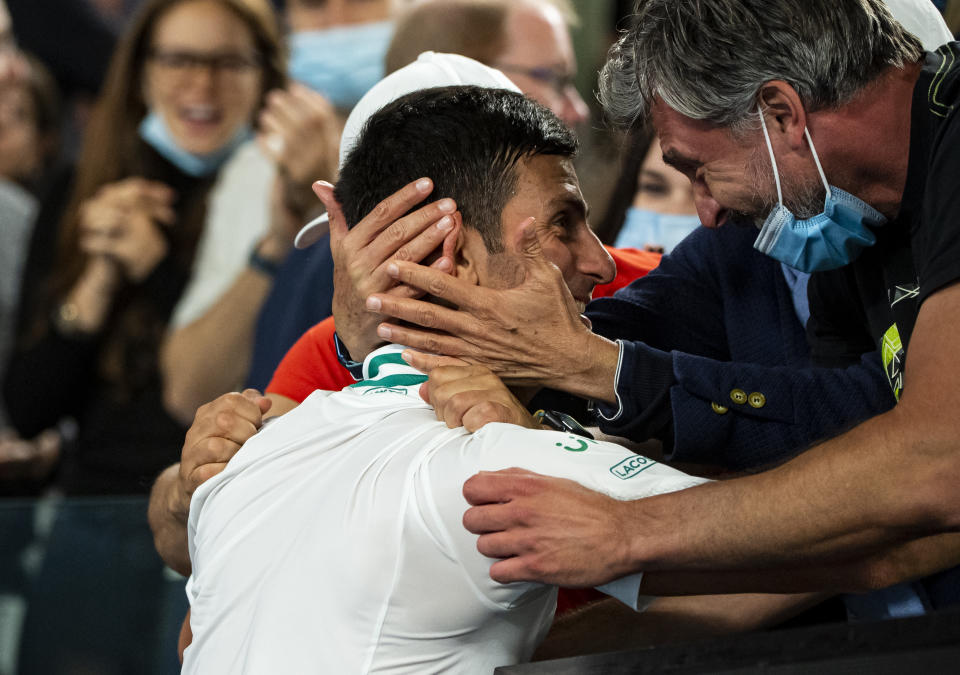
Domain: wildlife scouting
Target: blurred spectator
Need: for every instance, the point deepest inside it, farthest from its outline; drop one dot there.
(337, 47)
(530, 39)
(266, 188)
(182, 93)
(29, 119)
(652, 204)
(75, 42)
(69, 37)
(115, 12)
(29, 123)
(28, 114)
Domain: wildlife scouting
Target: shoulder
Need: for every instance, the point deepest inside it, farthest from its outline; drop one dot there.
(631, 264)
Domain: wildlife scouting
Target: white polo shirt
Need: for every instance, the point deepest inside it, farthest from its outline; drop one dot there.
(333, 541)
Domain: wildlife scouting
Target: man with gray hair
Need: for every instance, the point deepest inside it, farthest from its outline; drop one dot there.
(825, 123)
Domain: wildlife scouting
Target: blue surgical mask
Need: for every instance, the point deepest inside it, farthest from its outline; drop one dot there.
(341, 63)
(642, 227)
(154, 131)
(831, 239)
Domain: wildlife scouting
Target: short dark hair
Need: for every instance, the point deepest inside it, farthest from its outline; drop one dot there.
(468, 140)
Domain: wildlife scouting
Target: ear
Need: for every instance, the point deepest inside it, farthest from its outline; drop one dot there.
(469, 251)
(783, 113)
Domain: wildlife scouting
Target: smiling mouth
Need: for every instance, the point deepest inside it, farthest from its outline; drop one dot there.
(201, 115)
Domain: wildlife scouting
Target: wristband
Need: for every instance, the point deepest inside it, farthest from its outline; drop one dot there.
(355, 368)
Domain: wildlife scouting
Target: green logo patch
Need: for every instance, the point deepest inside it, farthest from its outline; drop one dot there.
(631, 466)
(891, 352)
(576, 444)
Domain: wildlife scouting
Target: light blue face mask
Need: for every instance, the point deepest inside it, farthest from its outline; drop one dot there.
(154, 131)
(642, 227)
(831, 239)
(341, 63)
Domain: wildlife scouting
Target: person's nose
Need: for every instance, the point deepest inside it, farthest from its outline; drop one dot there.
(711, 212)
(202, 77)
(596, 263)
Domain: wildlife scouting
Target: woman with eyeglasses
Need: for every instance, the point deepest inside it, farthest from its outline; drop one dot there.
(182, 93)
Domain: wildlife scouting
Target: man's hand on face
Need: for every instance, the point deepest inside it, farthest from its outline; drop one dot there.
(467, 396)
(547, 529)
(530, 334)
(361, 254)
(218, 430)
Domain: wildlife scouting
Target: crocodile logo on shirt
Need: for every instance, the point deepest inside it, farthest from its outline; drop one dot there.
(891, 352)
(576, 444)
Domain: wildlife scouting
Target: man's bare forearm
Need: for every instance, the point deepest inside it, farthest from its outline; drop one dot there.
(849, 497)
(168, 521)
(902, 562)
(201, 360)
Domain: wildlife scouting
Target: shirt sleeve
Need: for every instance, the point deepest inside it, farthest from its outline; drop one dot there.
(310, 364)
(676, 308)
(237, 217)
(605, 467)
(632, 263)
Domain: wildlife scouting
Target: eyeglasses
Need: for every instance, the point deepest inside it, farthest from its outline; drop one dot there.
(560, 81)
(181, 63)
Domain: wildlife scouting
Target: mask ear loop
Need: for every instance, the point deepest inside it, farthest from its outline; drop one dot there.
(773, 160)
(816, 161)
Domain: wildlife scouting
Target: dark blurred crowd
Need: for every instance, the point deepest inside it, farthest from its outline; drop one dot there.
(157, 159)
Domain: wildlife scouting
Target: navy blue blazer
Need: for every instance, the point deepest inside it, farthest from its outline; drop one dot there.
(715, 361)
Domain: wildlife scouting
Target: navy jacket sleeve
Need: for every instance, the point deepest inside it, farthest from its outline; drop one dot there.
(301, 296)
(714, 361)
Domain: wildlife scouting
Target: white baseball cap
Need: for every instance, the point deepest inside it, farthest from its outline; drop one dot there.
(429, 70)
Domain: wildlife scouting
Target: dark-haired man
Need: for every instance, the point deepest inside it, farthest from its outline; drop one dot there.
(528, 39)
(333, 538)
